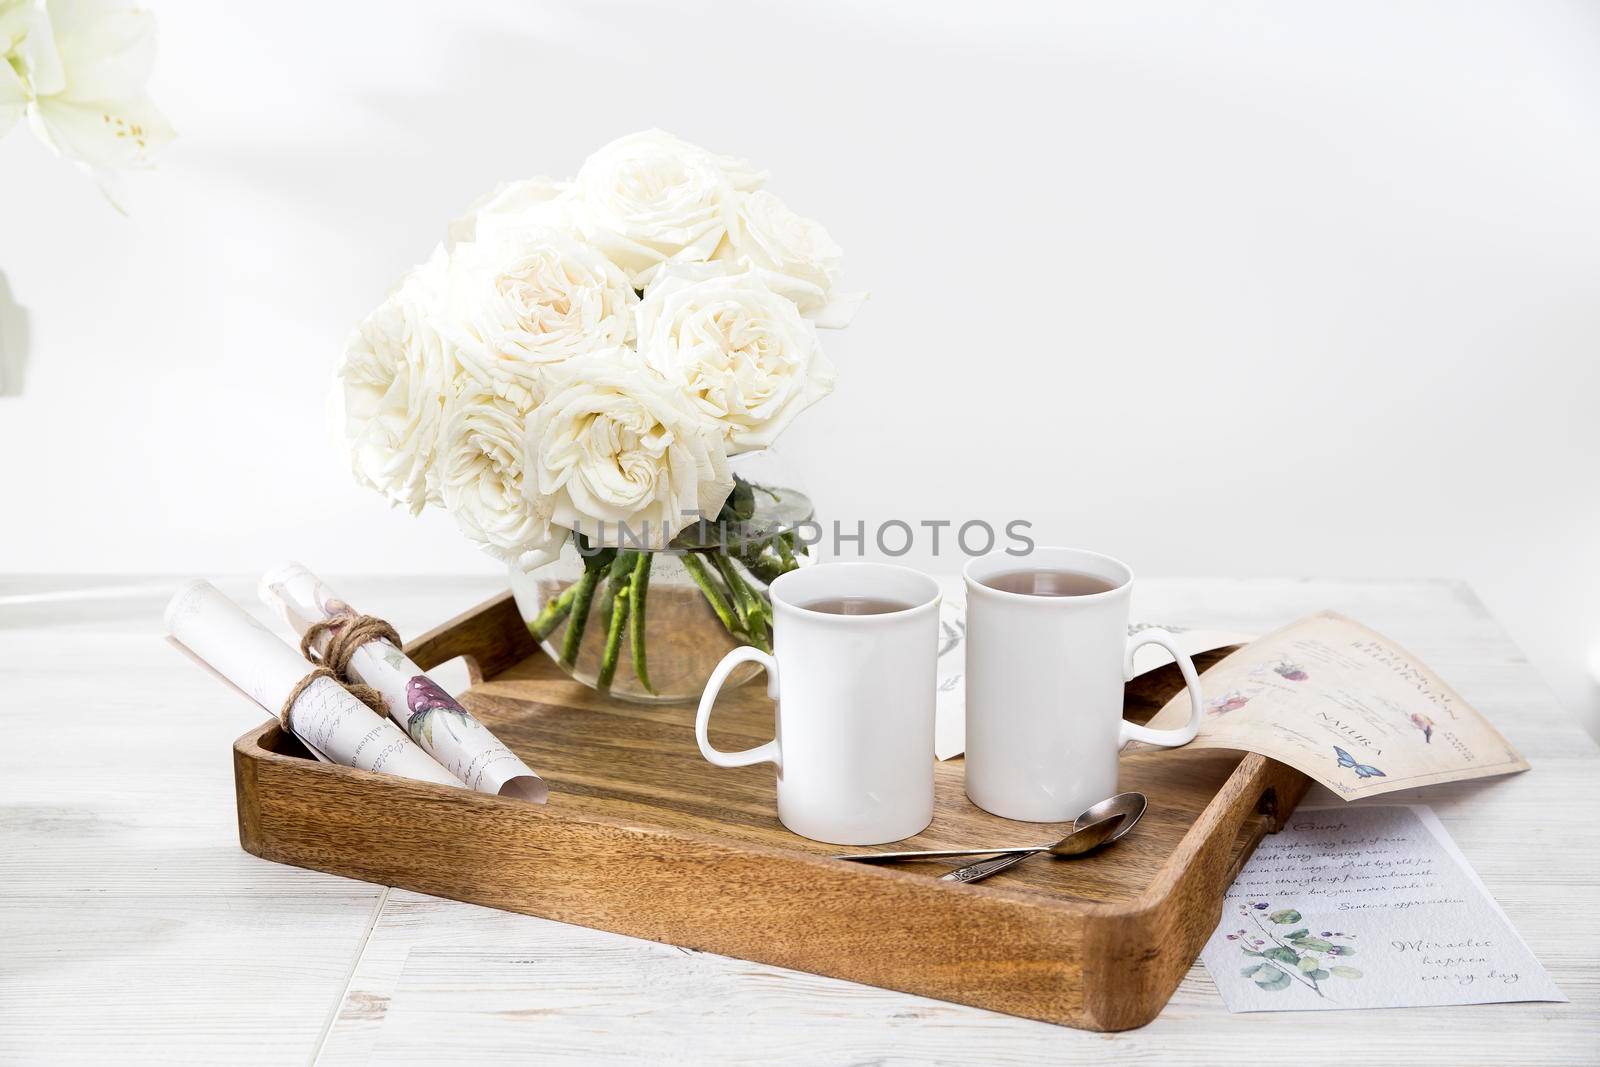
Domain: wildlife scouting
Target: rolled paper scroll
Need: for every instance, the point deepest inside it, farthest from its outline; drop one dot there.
(434, 719)
(327, 717)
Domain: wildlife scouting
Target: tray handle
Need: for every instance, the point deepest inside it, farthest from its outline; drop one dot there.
(490, 638)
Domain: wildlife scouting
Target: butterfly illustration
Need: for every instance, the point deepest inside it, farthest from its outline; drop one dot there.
(950, 635)
(1423, 723)
(428, 702)
(1232, 700)
(1362, 770)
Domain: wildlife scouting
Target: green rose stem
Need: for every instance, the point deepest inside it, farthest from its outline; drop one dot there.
(736, 594)
(708, 588)
(755, 616)
(617, 583)
(553, 612)
(578, 619)
(608, 659)
(582, 601)
(639, 585)
(758, 610)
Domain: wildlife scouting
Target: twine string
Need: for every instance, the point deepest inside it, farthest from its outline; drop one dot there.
(345, 634)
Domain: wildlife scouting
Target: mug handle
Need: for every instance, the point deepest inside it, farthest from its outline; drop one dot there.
(1165, 738)
(767, 753)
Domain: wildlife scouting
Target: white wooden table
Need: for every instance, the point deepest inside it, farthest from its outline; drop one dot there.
(133, 929)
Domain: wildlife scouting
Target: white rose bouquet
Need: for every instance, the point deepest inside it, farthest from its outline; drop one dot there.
(578, 362)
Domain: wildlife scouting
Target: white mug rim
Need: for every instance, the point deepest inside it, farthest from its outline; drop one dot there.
(977, 585)
(780, 601)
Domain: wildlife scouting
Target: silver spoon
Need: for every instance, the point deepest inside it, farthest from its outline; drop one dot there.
(1129, 805)
(1080, 842)
(1118, 814)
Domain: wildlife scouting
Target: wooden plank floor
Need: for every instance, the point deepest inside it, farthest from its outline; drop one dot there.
(133, 929)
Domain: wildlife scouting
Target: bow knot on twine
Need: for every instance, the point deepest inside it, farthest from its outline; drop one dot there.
(345, 633)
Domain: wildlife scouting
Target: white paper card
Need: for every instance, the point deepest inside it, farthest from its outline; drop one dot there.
(1366, 908)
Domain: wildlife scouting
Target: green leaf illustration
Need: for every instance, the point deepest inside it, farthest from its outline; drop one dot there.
(1275, 981)
(1296, 955)
(1313, 944)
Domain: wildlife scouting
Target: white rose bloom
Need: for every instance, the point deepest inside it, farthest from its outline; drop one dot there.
(534, 296)
(615, 444)
(529, 202)
(798, 256)
(393, 379)
(483, 483)
(742, 353)
(650, 198)
(741, 175)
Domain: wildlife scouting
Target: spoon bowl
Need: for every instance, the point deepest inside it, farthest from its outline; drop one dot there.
(1096, 833)
(1131, 806)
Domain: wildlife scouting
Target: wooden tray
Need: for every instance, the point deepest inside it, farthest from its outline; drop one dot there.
(641, 836)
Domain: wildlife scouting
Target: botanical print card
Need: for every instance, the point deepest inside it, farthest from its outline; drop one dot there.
(1348, 707)
(1357, 907)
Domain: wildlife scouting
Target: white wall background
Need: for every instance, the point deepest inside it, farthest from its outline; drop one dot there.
(1256, 289)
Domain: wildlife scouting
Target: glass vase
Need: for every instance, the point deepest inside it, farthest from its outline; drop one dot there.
(650, 626)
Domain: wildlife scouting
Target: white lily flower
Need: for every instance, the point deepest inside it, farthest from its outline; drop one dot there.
(77, 69)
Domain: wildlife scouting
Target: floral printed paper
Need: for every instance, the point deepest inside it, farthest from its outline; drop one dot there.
(1347, 706)
(1366, 907)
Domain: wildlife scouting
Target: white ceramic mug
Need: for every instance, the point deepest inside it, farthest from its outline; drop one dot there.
(1045, 676)
(855, 697)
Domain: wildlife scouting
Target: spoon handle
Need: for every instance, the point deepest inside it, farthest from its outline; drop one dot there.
(936, 854)
(975, 872)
